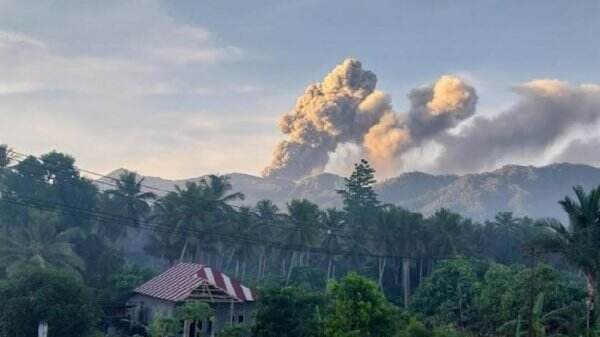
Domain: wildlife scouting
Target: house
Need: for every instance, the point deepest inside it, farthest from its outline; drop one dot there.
(159, 297)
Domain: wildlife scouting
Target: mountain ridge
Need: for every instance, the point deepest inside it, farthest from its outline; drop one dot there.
(524, 190)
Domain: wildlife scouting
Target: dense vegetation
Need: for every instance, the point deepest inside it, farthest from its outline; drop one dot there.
(367, 269)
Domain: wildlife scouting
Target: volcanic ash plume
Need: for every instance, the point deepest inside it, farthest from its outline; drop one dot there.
(344, 118)
(439, 107)
(340, 109)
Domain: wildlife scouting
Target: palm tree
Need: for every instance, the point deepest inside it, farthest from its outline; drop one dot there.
(197, 208)
(242, 249)
(382, 241)
(39, 244)
(186, 212)
(408, 236)
(267, 219)
(539, 320)
(446, 231)
(303, 215)
(333, 221)
(129, 194)
(579, 242)
(218, 188)
(128, 200)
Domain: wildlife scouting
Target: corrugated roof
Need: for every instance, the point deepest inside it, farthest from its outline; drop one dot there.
(177, 283)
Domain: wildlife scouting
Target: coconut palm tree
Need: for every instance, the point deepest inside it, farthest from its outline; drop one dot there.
(408, 236)
(446, 234)
(268, 219)
(217, 193)
(303, 215)
(539, 320)
(195, 209)
(382, 241)
(129, 195)
(243, 249)
(579, 242)
(333, 222)
(39, 244)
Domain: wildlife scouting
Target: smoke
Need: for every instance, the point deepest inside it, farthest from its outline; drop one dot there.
(344, 117)
(440, 107)
(338, 110)
(341, 160)
(545, 113)
(385, 141)
(580, 151)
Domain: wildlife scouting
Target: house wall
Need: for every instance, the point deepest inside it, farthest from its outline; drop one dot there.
(148, 308)
(223, 314)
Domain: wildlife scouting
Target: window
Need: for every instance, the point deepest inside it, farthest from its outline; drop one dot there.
(241, 319)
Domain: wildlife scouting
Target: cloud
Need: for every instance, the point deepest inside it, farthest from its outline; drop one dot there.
(11, 88)
(100, 81)
(10, 39)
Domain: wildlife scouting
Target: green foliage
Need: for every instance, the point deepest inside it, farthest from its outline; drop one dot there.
(448, 294)
(194, 311)
(509, 292)
(446, 331)
(39, 244)
(289, 312)
(416, 329)
(127, 200)
(359, 196)
(164, 327)
(358, 308)
(396, 247)
(236, 331)
(578, 243)
(309, 278)
(35, 295)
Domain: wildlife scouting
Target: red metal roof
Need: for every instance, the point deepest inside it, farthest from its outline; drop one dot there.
(177, 282)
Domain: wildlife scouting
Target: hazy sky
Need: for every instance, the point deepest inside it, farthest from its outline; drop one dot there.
(184, 88)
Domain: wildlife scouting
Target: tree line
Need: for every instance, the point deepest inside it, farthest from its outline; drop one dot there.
(52, 217)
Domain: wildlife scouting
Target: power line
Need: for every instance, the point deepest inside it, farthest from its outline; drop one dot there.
(340, 233)
(349, 235)
(50, 206)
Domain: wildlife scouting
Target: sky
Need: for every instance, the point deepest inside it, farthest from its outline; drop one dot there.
(184, 88)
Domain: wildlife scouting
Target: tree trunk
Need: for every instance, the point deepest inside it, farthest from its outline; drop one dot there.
(183, 251)
(420, 270)
(289, 275)
(264, 267)
(406, 280)
(396, 272)
(590, 302)
(243, 270)
(237, 267)
(260, 265)
(329, 265)
(382, 262)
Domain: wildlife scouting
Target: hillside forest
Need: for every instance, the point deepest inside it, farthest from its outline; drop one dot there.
(367, 268)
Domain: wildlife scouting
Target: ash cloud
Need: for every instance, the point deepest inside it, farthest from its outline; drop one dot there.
(580, 151)
(345, 108)
(546, 112)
